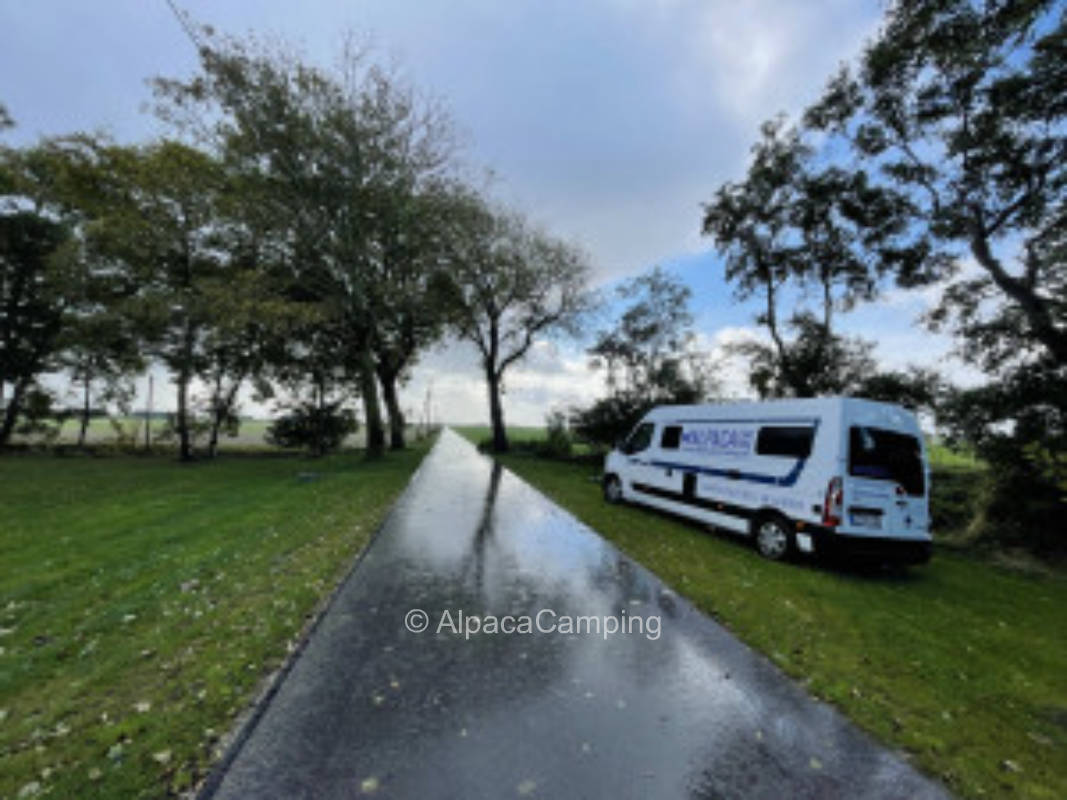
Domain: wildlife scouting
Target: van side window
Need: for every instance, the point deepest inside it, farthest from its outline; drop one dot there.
(640, 439)
(784, 440)
(671, 438)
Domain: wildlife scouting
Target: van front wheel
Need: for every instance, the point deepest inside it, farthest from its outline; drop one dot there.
(774, 537)
(612, 489)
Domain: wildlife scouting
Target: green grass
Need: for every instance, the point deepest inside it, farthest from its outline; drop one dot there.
(142, 602)
(958, 663)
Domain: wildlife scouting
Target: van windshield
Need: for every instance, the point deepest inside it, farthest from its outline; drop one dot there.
(886, 455)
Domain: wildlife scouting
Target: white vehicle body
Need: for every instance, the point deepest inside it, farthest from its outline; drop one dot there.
(816, 475)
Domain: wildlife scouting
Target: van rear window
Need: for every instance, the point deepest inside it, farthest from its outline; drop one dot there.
(886, 455)
(782, 440)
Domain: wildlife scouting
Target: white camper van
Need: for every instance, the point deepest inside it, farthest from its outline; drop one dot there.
(835, 474)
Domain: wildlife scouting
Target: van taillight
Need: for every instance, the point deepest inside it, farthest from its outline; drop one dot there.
(832, 508)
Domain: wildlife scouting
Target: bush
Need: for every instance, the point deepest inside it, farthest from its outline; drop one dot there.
(608, 419)
(318, 429)
(1018, 425)
(558, 444)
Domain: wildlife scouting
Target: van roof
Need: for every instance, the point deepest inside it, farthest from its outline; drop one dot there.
(854, 408)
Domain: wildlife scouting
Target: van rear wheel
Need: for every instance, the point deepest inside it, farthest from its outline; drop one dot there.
(774, 537)
(612, 489)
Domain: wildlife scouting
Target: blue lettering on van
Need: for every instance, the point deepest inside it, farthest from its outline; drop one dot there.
(718, 441)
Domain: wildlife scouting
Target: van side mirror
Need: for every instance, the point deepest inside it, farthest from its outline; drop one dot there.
(620, 444)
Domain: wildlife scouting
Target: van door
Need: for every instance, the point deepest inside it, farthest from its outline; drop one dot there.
(636, 451)
(886, 491)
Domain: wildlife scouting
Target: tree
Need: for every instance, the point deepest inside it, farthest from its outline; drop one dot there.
(958, 108)
(100, 354)
(917, 388)
(820, 362)
(822, 232)
(32, 305)
(162, 223)
(650, 352)
(649, 357)
(510, 284)
(331, 152)
(412, 306)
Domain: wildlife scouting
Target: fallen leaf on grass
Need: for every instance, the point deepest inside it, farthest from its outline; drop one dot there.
(369, 785)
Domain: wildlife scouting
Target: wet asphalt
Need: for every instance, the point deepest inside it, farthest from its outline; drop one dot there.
(370, 708)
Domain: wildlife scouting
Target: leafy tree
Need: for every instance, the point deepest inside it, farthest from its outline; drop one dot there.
(819, 362)
(650, 352)
(958, 109)
(162, 224)
(917, 388)
(648, 358)
(333, 153)
(509, 285)
(412, 312)
(6, 120)
(100, 347)
(100, 354)
(32, 306)
(824, 233)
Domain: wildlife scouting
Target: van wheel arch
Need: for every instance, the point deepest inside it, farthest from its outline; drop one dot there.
(773, 535)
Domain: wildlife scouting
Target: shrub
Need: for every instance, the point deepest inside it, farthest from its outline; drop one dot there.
(558, 443)
(318, 429)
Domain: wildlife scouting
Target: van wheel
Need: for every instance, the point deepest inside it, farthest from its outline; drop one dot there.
(613, 489)
(774, 537)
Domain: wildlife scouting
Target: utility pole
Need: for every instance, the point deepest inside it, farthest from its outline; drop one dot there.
(148, 415)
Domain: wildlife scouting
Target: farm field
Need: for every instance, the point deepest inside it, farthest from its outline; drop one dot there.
(251, 433)
(958, 663)
(143, 602)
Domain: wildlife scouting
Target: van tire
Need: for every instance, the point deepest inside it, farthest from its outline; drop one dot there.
(612, 489)
(773, 536)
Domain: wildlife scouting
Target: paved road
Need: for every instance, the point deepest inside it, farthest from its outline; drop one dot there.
(371, 708)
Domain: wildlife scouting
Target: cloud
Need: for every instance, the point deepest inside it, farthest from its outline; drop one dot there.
(552, 377)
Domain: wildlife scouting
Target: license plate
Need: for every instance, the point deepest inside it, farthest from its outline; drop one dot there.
(865, 519)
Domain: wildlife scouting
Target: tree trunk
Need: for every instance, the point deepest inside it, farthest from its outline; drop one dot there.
(392, 407)
(185, 450)
(496, 411)
(371, 409)
(320, 412)
(185, 376)
(86, 382)
(11, 413)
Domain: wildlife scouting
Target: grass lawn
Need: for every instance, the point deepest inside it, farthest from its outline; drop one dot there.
(143, 601)
(958, 663)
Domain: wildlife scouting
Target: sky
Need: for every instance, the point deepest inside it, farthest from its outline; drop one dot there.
(609, 122)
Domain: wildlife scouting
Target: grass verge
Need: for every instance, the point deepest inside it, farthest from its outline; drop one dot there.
(143, 601)
(958, 663)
